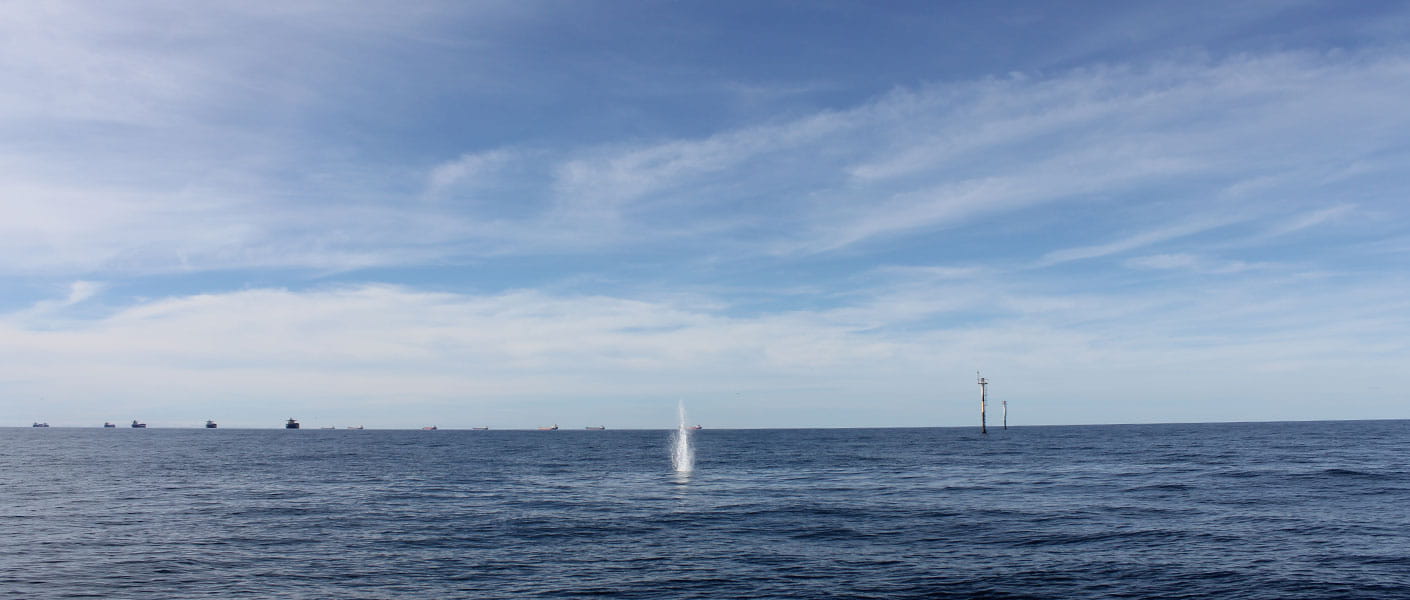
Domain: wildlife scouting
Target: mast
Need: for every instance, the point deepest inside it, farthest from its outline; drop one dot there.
(983, 402)
(1006, 415)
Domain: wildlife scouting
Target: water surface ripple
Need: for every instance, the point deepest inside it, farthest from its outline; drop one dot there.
(1269, 510)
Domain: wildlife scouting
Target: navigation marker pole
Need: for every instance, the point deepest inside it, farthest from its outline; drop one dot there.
(983, 402)
(1006, 415)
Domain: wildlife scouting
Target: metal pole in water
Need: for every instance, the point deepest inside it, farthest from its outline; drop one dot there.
(983, 403)
(1006, 415)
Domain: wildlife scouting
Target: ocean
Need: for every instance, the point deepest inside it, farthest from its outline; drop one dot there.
(1240, 510)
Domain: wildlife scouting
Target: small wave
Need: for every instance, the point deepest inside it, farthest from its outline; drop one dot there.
(1160, 487)
(1351, 473)
(1159, 535)
(830, 533)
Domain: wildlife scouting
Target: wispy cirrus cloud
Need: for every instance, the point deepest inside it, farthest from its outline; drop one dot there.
(1191, 262)
(1139, 240)
(468, 168)
(923, 160)
(911, 163)
(1306, 220)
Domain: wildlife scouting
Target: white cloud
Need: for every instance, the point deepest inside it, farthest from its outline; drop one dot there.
(400, 355)
(1309, 219)
(1139, 240)
(931, 272)
(1164, 261)
(1190, 262)
(468, 167)
(609, 183)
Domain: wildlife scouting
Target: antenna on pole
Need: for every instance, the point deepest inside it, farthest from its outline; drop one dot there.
(983, 402)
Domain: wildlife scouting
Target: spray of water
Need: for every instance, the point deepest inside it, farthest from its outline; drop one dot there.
(682, 454)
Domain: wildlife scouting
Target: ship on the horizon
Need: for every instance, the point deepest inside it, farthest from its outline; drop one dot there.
(136, 425)
(210, 425)
(38, 424)
(598, 428)
(695, 428)
(108, 425)
(479, 428)
(291, 424)
(429, 428)
(354, 427)
(553, 428)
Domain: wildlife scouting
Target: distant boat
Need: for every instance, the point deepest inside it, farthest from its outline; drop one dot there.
(210, 424)
(696, 428)
(429, 428)
(356, 427)
(291, 424)
(38, 424)
(327, 427)
(136, 425)
(598, 428)
(480, 428)
(554, 428)
(107, 425)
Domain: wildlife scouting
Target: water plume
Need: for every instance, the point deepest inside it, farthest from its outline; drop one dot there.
(682, 454)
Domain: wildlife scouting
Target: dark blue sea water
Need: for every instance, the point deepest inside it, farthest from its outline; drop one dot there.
(1271, 510)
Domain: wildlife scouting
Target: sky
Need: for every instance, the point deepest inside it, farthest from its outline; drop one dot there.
(781, 214)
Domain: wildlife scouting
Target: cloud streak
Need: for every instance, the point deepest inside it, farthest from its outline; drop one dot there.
(910, 163)
(1139, 240)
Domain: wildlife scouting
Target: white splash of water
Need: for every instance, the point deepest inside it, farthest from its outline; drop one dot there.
(682, 454)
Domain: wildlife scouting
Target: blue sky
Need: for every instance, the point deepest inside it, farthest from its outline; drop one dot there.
(512, 214)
